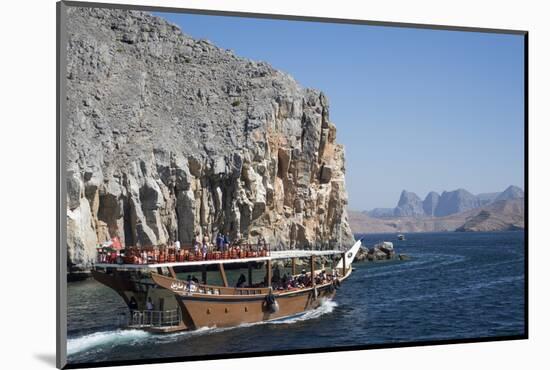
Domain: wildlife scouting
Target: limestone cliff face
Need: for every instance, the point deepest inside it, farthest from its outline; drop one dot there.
(168, 135)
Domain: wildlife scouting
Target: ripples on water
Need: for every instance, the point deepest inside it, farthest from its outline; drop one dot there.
(456, 285)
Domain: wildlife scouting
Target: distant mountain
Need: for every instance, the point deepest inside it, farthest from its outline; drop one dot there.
(501, 215)
(487, 198)
(380, 212)
(448, 203)
(511, 192)
(430, 203)
(456, 201)
(498, 216)
(409, 205)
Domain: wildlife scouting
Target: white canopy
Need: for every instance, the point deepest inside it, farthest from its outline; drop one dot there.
(274, 255)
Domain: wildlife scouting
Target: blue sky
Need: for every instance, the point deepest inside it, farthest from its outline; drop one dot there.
(416, 109)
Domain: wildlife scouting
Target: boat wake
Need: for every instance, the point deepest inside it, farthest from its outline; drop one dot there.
(131, 336)
(104, 338)
(326, 307)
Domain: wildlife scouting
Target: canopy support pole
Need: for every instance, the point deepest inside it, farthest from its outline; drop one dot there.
(204, 274)
(172, 272)
(312, 268)
(293, 266)
(224, 277)
(344, 264)
(269, 273)
(249, 274)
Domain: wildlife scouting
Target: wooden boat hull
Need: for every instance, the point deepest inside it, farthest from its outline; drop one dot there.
(235, 306)
(227, 312)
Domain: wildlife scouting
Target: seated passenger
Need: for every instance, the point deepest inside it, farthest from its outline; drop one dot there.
(302, 277)
(241, 281)
(285, 282)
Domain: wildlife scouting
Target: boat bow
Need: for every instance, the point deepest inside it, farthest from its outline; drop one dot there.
(350, 255)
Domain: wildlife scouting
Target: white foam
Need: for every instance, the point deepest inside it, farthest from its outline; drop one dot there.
(87, 342)
(327, 306)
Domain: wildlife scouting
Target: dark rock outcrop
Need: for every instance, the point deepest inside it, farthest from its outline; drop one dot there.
(168, 136)
(379, 252)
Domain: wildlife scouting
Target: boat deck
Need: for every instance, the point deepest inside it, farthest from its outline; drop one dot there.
(273, 255)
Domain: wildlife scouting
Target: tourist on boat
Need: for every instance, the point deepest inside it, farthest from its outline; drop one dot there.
(284, 282)
(276, 278)
(241, 281)
(238, 239)
(189, 282)
(302, 278)
(195, 280)
(206, 239)
(204, 250)
(132, 305)
(225, 242)
(219, 241)
(177, 245)
(196, 242)
(321, 278)
(149, 306)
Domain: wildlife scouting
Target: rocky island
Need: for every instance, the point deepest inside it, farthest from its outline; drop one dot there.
(168, 136)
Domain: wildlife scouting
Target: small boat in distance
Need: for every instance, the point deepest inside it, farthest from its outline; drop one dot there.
(161, 301)
(401, 237)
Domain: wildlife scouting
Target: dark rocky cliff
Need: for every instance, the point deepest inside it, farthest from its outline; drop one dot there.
(168, 135)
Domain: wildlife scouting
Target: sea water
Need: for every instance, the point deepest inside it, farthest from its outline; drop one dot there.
(454, 286)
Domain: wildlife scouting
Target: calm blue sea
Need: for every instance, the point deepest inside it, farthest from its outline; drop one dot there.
(455, 285)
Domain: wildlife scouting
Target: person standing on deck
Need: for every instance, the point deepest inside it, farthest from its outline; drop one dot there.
(219, 242)
(205, 243)
(260, 242)
(206, 239)
(132, 305)
(238, 239)
(149, 307)
(225, 242)
(197, 242)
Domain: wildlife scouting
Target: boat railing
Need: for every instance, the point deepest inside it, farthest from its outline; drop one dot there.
(156, 255)
(151, 318)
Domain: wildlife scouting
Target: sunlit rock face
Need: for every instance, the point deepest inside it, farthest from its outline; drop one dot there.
(168, 136)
